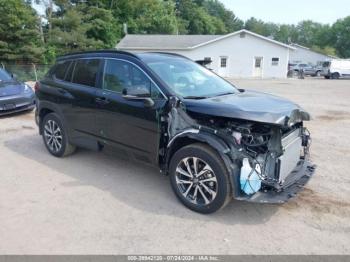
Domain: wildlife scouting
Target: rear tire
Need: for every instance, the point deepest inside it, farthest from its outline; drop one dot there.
(55, 136)
(203, 183)
(335, 76)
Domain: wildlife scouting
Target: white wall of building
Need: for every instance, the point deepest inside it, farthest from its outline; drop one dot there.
(240, 54)
(304, 55)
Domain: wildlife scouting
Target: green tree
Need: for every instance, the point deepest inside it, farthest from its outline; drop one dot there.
(217, 9)
(341, 36)
(260, 27)
(198, 20)
(152, 17)
(19, 32)
(79, 27)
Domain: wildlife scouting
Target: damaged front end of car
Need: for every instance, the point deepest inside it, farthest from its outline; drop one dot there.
(268, 161)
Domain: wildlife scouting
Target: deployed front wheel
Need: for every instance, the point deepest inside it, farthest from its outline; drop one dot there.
(55, 137)
(200, 179)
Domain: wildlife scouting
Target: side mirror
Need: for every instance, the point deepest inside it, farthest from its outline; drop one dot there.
(241, 90)
(136, 94)
(14, 76)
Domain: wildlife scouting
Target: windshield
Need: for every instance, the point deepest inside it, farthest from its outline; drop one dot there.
(326, 64)
(4, 76)
(186, 78)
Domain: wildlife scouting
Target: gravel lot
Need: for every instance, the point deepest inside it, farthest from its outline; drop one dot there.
(99, 203)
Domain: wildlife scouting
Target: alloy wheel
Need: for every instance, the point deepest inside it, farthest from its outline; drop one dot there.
(196, 181)
(53, 136)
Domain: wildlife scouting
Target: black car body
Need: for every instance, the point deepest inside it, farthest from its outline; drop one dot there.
(236, 143)
(14, 96)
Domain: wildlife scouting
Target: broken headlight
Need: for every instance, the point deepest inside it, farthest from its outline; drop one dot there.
(254, 138)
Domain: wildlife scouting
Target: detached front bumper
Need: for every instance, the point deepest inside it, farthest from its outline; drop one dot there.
(295, 183)
(17, 103)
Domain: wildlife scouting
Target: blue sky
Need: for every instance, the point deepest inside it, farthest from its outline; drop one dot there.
(290, 11)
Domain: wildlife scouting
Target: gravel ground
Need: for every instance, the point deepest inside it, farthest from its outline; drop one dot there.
(99, 203)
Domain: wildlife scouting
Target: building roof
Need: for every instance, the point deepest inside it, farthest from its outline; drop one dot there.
(310, 50)
(164, 41)
(180, 42)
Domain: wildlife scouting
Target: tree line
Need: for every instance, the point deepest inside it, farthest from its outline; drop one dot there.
(77, 25)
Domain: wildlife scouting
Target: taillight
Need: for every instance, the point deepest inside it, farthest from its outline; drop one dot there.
(36, 86)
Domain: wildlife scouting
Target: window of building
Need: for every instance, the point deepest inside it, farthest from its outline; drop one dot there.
(85, 72)
(223, 62)
(258, 62)
(275, 61)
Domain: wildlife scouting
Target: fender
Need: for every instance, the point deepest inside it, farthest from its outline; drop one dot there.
(42, 105)
(219, 145)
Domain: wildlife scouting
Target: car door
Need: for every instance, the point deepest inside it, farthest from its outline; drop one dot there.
(130, 124)
(309, 70)
(80, 114)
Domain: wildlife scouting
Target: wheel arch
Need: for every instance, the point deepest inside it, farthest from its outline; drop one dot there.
(219, 145)
(46, 108)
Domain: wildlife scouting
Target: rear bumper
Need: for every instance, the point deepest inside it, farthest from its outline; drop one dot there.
(297, 179)
(14, 104)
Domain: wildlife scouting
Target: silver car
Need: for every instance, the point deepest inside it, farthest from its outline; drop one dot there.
(308, 70)
(14, 96)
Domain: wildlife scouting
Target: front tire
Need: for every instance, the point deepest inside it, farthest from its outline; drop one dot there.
(55, 136)
(200, 179)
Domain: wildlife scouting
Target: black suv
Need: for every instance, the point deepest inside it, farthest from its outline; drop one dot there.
(214, 141)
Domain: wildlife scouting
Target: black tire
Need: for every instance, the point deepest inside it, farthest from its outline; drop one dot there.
(66, 148)
(327, 77)
(335, 76)
(222, 185)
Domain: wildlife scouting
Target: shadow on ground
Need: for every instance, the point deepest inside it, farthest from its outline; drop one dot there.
(137, 185)
(25, 113)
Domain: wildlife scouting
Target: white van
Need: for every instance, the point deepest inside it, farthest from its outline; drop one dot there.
(336, 68)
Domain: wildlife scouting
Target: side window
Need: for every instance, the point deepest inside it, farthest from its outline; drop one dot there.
(155, 93)
(116, 75)
(120, 75)
(59, 71)
(85, 72)
(69, 73)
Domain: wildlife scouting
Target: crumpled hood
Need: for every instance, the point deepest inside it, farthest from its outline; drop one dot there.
(250, 105)
(10, 89)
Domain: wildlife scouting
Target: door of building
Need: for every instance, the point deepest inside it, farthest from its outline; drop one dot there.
(258, 67)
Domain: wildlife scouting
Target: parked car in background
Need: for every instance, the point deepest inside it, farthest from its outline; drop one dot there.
(308, 70)
(215, 141)
(336, 68)
(14, 95)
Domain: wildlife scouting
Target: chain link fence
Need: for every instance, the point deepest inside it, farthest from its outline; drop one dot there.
(26, 72)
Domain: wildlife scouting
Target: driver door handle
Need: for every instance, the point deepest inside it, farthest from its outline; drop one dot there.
(101, 100)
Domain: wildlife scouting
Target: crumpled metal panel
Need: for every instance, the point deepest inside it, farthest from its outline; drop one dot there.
(251, 106)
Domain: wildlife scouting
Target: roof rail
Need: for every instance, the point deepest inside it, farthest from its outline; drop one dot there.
(103, 51)
(166, 53)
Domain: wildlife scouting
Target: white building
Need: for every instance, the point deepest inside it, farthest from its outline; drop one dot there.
(303, 54)
(239, 54)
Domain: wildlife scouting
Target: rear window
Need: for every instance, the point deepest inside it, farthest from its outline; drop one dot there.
(60, 69)
(85, 72)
